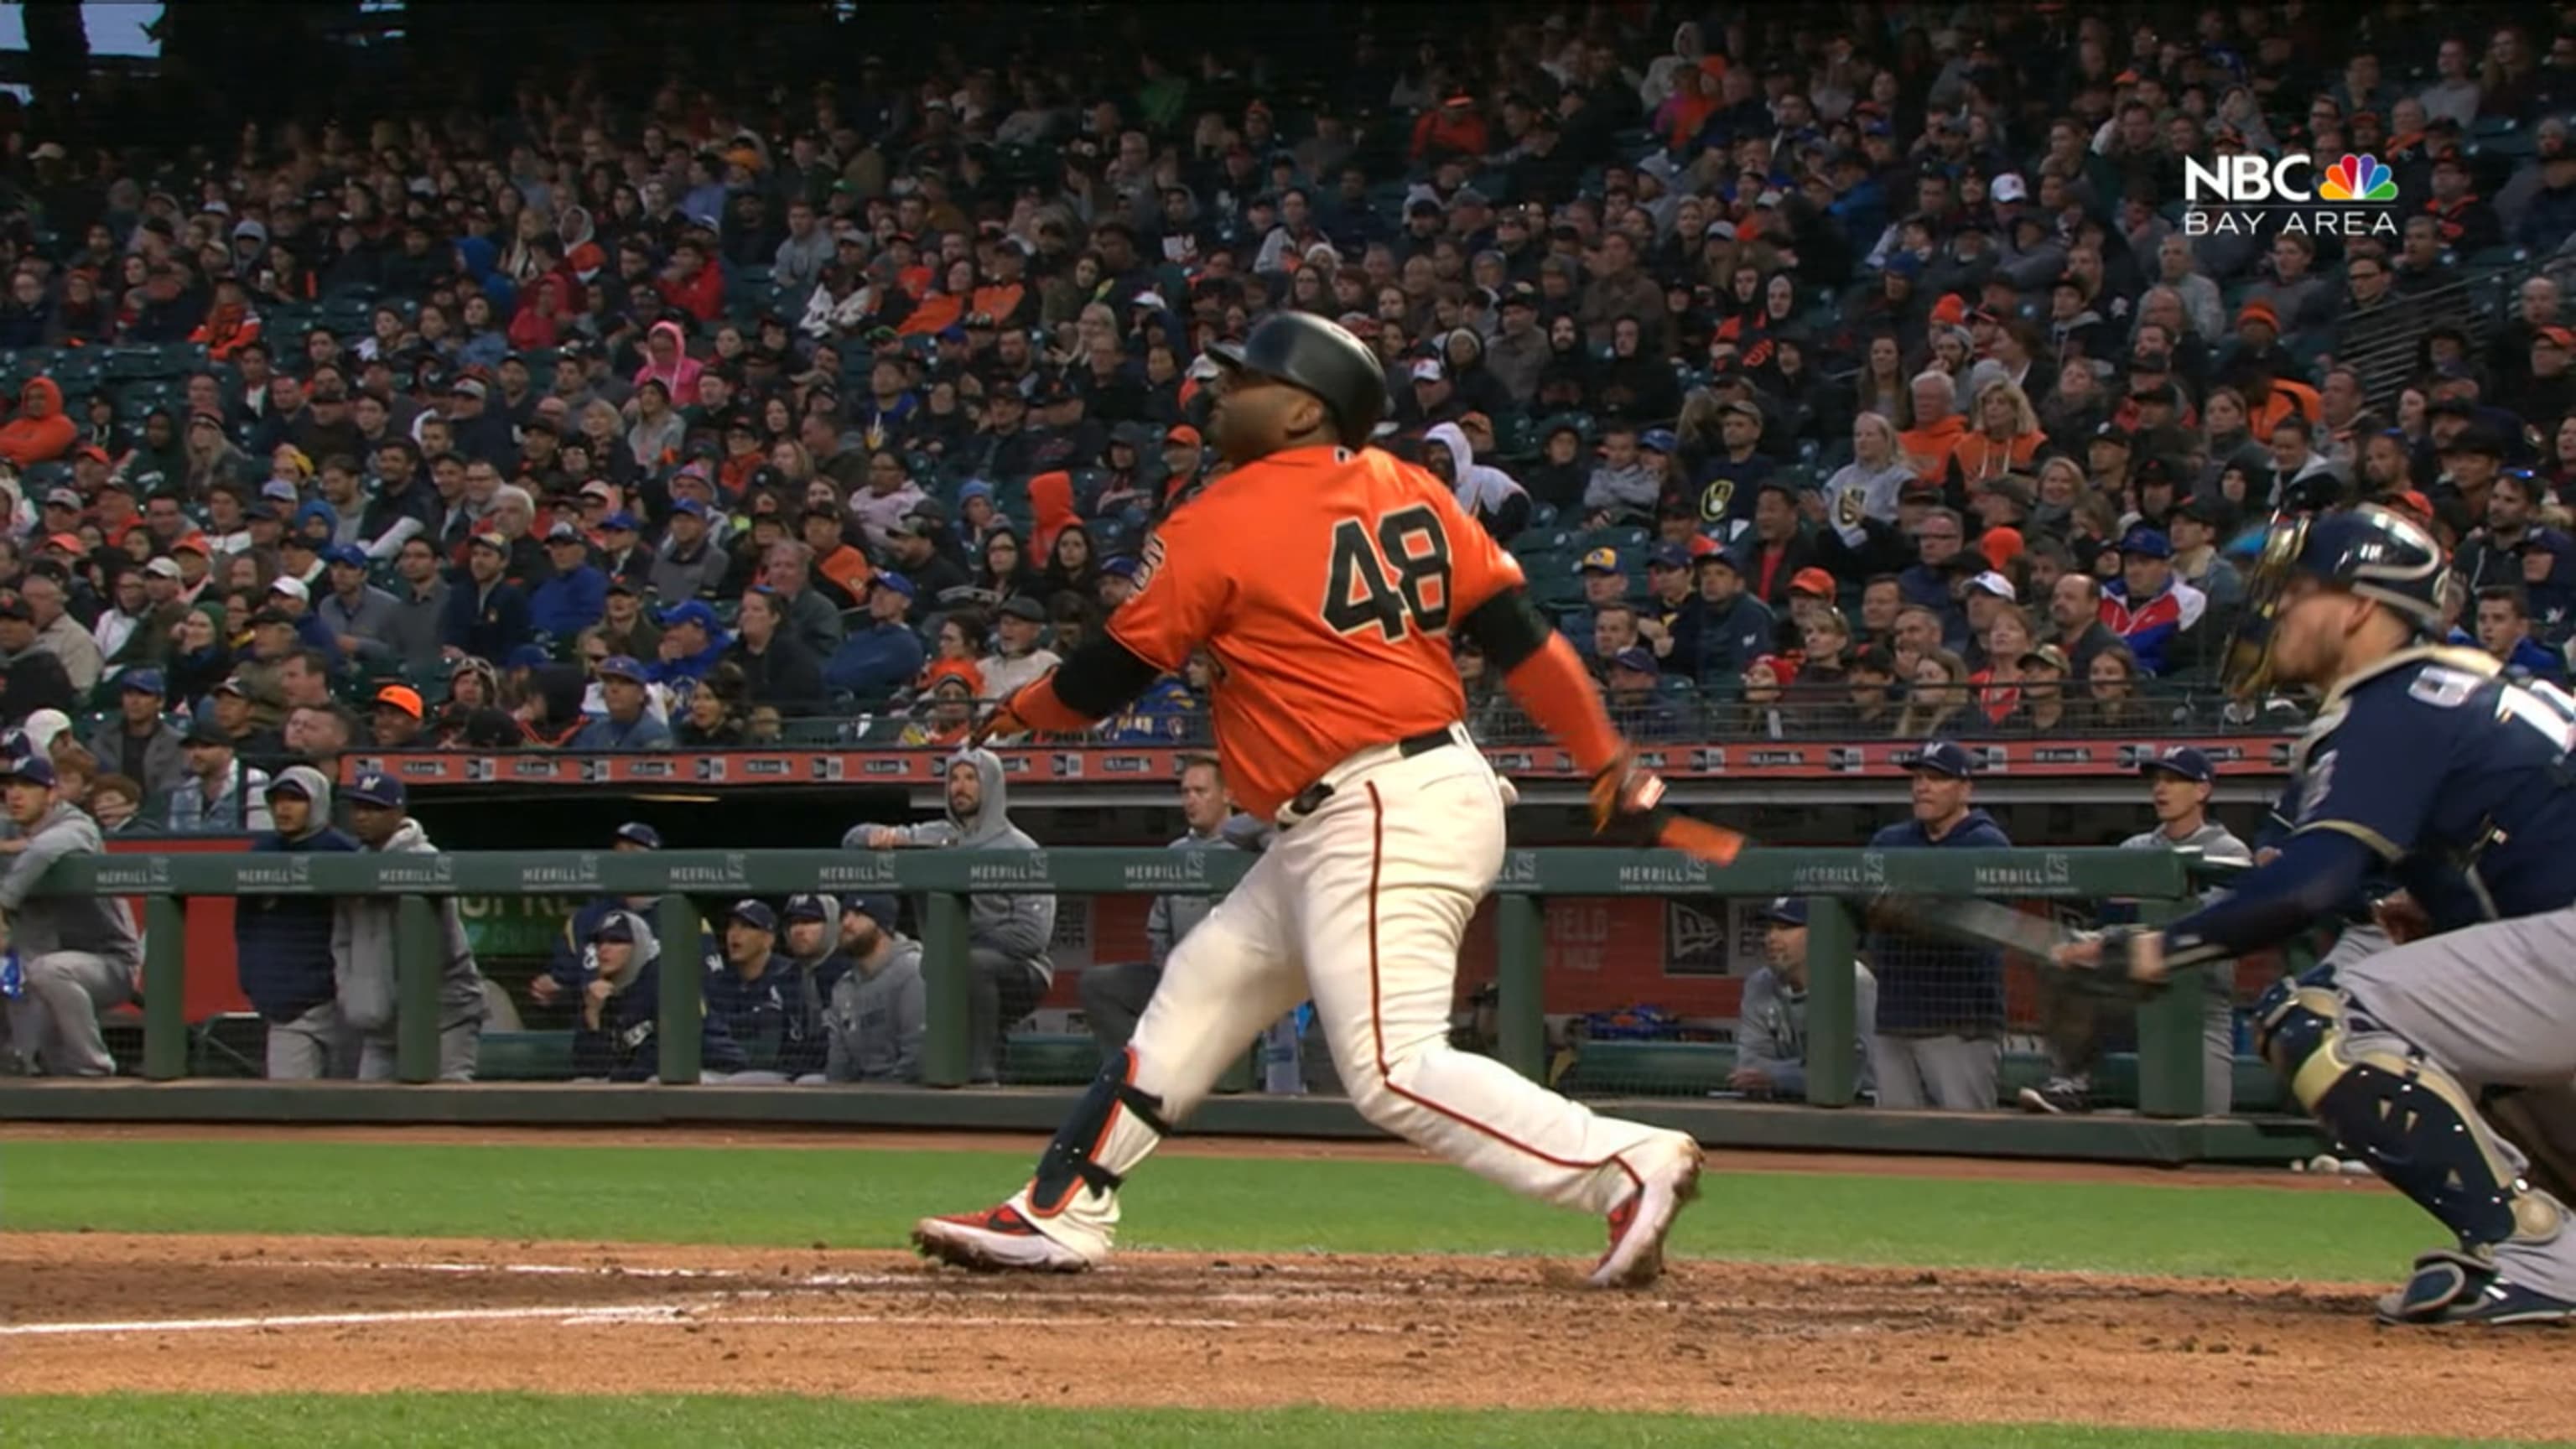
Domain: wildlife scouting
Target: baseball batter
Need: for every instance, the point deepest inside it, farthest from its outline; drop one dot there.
(2460, 785)
(1326, 579)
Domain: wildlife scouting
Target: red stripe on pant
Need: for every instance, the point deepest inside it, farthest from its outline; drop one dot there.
(1377, 1027)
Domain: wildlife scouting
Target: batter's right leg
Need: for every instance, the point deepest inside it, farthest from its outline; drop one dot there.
(1229, 978)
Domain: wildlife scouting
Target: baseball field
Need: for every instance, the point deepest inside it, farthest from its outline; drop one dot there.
(323, 1287)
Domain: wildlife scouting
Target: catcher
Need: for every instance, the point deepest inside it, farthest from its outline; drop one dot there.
(2424, 762)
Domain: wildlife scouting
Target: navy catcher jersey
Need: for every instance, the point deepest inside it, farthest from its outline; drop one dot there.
(2456, 778)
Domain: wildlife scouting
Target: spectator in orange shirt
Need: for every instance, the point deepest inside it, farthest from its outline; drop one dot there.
(840, 571)
(1938, 429)
(41, 432)
(1455, 129)
(2007, 435)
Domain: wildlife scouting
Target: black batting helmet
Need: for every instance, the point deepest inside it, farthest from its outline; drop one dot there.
(1321, 358)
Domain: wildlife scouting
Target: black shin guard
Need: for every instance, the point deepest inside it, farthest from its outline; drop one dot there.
(2405, 1115)
(1073, 1159)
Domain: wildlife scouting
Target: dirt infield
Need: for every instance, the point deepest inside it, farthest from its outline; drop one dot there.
(99, 1312)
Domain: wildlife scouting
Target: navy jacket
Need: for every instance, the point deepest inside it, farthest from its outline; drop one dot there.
(1934, 987)
(747, 1021)
(282, 944)
(487, 628)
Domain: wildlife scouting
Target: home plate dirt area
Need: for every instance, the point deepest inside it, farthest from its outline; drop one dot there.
(89, 1312)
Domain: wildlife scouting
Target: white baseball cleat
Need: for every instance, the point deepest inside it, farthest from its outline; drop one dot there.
(1640, 1222)
(997, 1240)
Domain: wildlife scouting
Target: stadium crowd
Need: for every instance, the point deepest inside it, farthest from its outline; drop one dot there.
(1832, 374)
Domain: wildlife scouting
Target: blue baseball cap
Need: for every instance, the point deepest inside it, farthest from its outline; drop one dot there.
(809, 907)
(636, 832)
(1787, 910)
(1121, 567)
(974, 488)
(375, 787)
(140, 681)
(2147, 543)
(691, 507)
(755, 914)
(1639, 659)
(1945, 757)
(345, 553)
(621, 666)
(877, 906)
(618, 926)
(621, 520)
(1658, 440)
(525, 656)
(1668, 556)
(33, 768)
(691, 611)
(887, 579)
(2182, 761)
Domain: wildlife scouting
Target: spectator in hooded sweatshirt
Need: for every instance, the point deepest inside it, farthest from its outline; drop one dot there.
(78, 953)
(1007, 932)
(878, 1011)
(282, 943)
(1939, 1036)
(618, 1002)
(362, 945)
(41, 432)
(667, 361)
(809, 937)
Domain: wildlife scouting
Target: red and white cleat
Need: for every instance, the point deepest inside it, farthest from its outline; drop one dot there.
(1640, 1222)
(997, 1240)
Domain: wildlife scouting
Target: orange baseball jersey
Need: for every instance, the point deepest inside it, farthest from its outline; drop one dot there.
(1325, 584)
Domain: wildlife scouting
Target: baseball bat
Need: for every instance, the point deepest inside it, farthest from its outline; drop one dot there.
(1973, 922)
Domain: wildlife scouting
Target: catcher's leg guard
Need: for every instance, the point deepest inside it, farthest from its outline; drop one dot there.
(2418, 1128)
(1074, 1196)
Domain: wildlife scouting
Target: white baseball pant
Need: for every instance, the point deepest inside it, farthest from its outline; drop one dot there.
(1361, 907)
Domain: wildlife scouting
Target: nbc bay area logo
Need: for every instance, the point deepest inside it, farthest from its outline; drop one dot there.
(2252, 195)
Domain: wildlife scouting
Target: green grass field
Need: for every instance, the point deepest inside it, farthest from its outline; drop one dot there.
(530, 1422)
(866, 1199)
(796, 1197)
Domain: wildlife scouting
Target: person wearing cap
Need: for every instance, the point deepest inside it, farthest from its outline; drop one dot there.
(360, 619)
(575, 593)
(32, 677)
(1007, 932)
(1725, 630)
(220, 793)
(1771, 1022)
(396, 717)
(615, 991)
(138, 741)
(1019, 656)
(2180, 782)
(1669, 592)
(875, 662)
(809, 938)
(487, 615)
(77, 954)
(282, 943)
(689, 563)
(2147, 606)
(1939, 1036)
(878, 1012)
(363, 932)
(2038, 696)
(567, 969)
(1630, 679)
(750, 996)
(627, 724)
(2197, 532)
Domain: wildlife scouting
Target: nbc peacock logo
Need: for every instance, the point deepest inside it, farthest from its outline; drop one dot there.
(2358, 178)
(2250, 195)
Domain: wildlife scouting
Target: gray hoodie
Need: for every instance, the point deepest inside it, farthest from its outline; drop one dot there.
(875, 1021)
(362, 951)
(1018, 926)
(99, 926)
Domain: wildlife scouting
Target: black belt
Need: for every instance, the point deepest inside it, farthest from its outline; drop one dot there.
(1312, 798)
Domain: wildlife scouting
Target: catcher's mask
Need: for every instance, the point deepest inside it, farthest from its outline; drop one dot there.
(2371, 551)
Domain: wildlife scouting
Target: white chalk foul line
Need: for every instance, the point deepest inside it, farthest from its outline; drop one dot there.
(628, 1314)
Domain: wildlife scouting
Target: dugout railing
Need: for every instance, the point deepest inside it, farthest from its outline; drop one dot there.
(694, 886)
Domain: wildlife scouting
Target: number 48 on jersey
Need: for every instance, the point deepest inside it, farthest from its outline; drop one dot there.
(1394, 579)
